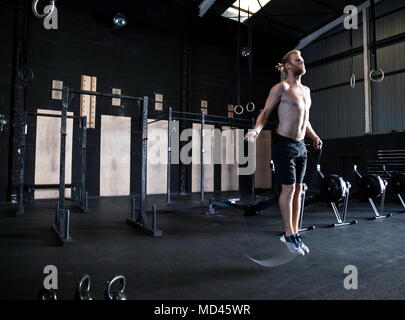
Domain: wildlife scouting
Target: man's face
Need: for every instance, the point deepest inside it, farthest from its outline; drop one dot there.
(297, 66)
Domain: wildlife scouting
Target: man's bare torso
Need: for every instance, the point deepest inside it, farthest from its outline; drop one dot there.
(293, 111)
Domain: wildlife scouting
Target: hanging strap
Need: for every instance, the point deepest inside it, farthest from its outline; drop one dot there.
(374, 49)
(238, 59)
(250, 106)
(250, 45)
(376, 71)
(351, 50)
(352, 76)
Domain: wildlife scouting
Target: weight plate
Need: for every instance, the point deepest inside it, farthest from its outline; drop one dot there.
(396, 183)
(372, 186)
(333, 188)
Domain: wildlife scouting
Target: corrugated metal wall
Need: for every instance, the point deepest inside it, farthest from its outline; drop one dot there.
(334, 42)
(339, 110)
(388, 97)
(337, 72)
(336, 112)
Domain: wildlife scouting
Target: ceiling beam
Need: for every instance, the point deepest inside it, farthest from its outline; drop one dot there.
(204, 6)
(338, 21)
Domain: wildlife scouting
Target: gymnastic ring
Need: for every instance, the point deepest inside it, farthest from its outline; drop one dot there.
(25, 75)
(250, 103)
(353, 80)
(35, 11)
(376, 80)
(236, 107)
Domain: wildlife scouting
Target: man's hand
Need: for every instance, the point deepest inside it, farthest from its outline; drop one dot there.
(317, 143)
(252, 135)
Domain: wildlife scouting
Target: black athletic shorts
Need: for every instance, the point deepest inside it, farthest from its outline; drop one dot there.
(290, 159)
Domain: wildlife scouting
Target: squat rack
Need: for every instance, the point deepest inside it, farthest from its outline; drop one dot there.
(203, 119)
(81, 198)
(61, 225)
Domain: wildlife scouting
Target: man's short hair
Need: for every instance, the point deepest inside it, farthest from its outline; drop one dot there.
(286, 59)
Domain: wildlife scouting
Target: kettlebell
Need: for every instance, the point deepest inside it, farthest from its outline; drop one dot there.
(46, 294)
(82, 292)
(115, 295)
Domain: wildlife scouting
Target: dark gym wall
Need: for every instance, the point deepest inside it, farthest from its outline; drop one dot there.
(6, 74)
(338, 110)
(147, 57)
(140, 61)
(339, 155)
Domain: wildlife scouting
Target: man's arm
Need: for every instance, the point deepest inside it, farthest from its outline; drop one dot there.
(310, 133)
(272, 101)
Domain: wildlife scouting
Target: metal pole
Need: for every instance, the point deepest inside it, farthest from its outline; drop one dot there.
(83, 164)
(102, 94)
(67, 224)
(254, 173)
(402, 200)
(169, 154)
(338, 21)
(144, 159)
(366, 70)
(133, 204)
(57, 215)
(65, 104)
(154, 217)
(20, 209)
(374, 207)
(346, 203)
(383, 202)
(336, 211)
(202, 156)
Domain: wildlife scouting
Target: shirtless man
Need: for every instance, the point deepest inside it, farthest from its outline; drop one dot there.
(288, 149)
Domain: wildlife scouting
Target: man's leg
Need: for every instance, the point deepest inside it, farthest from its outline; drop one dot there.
(285, 202)
(296, 207)
(286, 207)
(296, 215)
(301, 167)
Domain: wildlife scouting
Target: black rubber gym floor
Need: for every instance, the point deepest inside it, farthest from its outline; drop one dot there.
(204, 257)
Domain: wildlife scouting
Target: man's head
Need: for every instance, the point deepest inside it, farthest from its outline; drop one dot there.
(292, 62)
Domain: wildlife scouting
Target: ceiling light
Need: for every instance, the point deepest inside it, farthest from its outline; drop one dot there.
(245, 52)
(244, 8)
(119, 20)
